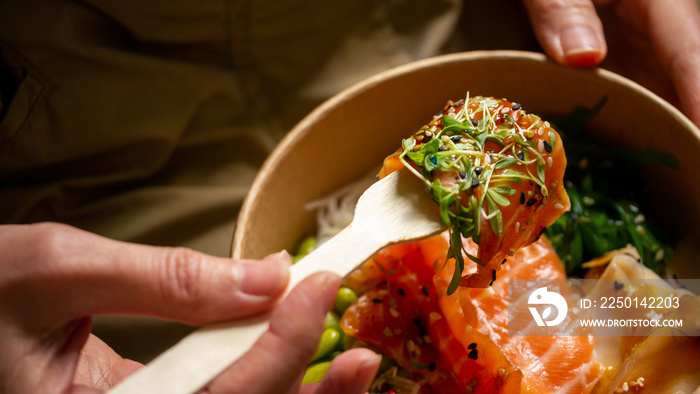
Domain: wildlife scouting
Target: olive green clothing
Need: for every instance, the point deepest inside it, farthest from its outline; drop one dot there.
(146, 121)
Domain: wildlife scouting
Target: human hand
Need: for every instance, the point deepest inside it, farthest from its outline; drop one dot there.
(653, 42)
(55, 277)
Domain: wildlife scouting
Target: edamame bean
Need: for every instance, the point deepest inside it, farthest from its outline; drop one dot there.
(329, 341)
(306, 246)
(333, 321)
(315, 372)
(345, 298)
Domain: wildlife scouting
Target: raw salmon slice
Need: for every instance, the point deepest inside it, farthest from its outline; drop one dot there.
(496, 172)
(464, 346)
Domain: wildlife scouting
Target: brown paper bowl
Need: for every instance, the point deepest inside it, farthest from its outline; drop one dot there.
(352, 132)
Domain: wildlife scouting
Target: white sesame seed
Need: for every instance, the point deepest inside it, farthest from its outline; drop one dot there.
(393, 312)
(427, 339)
(659, 255)
(387, 332)
(540, 146)
(544, 191)
(550, 161)
(558, 206)
(540, 131)
(410, 345)
(517, 226)
(434, 316)
(625, 387)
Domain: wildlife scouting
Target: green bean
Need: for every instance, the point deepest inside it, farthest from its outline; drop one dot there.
(333, 321)
(329, 341)
(306, 246)
(315, 372)
(345, 298)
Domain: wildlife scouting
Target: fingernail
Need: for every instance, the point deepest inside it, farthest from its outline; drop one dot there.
(265, 277)
(577, 41)
(372, 362)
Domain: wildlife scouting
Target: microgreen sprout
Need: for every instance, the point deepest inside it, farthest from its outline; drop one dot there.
(469, 182)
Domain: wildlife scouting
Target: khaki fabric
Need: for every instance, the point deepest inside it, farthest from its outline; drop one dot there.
(146, 121)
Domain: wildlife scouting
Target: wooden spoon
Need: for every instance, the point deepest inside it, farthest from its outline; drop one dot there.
(395, 209)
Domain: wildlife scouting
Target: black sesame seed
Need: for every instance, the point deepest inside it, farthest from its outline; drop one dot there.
(520, 155)
(433, 160)
(474, 354)
(462, 174)
(416, 321)
(401, 292)
(493, 275)
(516, 107)
(475, 122)
(422, 331)
(478, 170)
(377, 300)
(456, 138)
(504, 261)
(472, 345)
(442, 149)
(531, 202)
(618, 285)
(547, 147)
(475, 183)
(522, 198)
(425, 291)
(432, 366)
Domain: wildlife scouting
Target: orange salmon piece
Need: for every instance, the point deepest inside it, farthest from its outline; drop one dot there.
(470, 319)
(549, 364)
(505, 165)
(402, 318)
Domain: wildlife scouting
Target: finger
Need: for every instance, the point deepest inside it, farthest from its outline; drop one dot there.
(351, 372)
(569, 31)
(675, 31)
(84, 274)
(280, 356)
(100, 367)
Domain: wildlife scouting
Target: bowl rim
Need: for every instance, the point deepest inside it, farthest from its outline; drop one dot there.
(274, 159)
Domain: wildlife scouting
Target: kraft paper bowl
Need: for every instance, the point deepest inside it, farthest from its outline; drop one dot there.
(341, 140)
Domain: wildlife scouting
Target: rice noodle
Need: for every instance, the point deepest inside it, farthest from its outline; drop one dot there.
(335, 211)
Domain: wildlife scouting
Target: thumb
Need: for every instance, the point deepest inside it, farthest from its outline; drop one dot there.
(569, 31)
